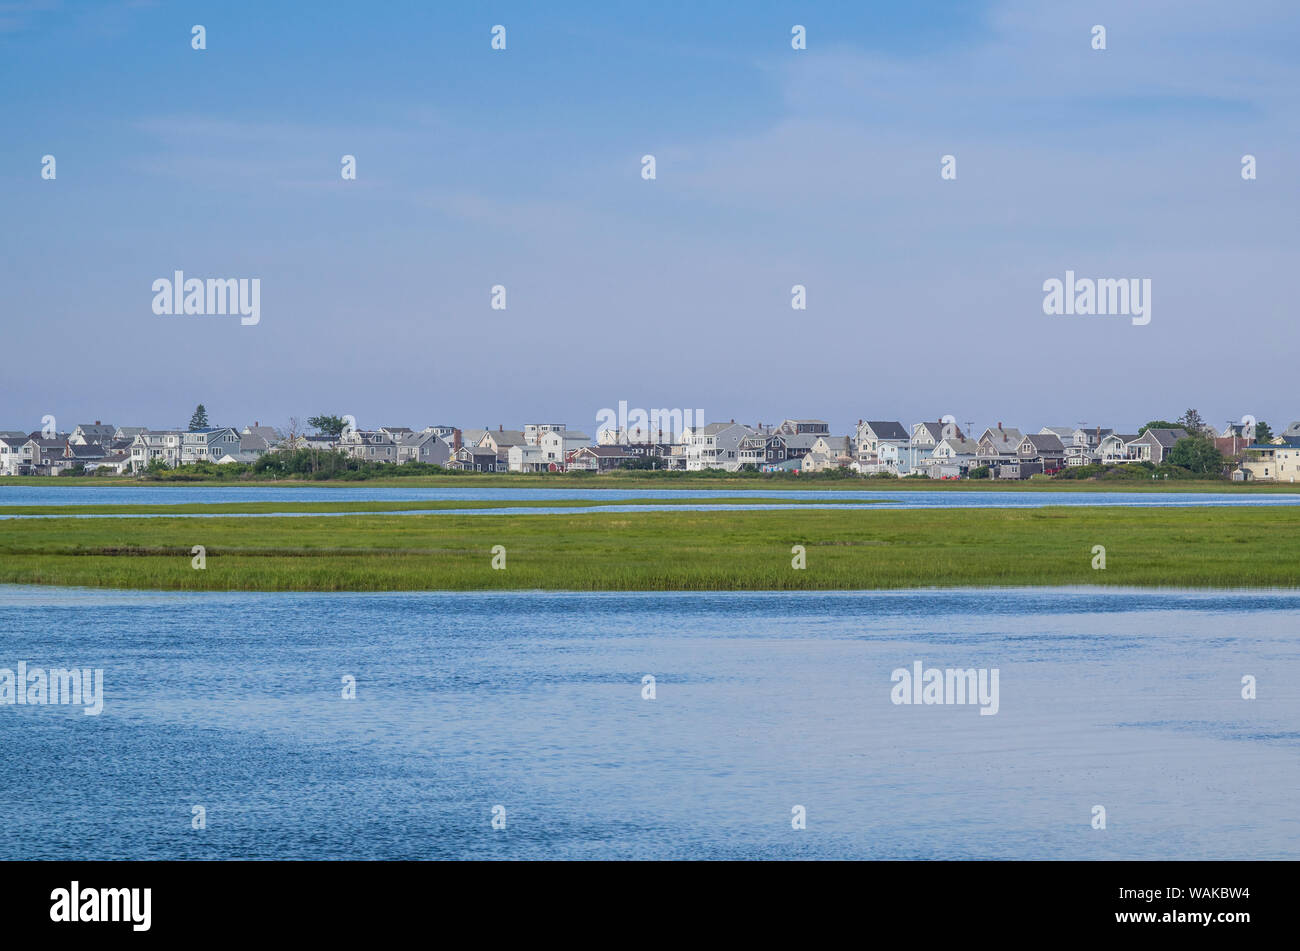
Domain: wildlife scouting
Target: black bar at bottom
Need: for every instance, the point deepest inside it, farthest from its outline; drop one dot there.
(368, 899)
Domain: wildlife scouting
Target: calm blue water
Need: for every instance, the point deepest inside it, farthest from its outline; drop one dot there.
(13, 495)
(533, 701)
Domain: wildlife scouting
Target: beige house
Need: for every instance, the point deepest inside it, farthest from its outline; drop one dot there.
(1278, 461)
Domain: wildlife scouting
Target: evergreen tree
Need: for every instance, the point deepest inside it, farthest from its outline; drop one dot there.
(1192, 422)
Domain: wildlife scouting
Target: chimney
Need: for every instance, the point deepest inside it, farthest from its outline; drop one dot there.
(455, 440)
(97, 423)
(733, 419)
(500, 428)
(999, 425)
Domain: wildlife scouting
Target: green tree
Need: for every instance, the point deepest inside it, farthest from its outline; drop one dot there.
(1159, 424)
(329, 425)
(200, 418)
(1191, 421)
(1263, 432)
(1196, 454)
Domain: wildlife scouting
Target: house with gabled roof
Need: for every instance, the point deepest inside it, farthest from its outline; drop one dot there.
(951, 458)
(803, 427)
(525, 458)
(266, 433)
(1154, 444)
(208, 444)
(97, 432)
(79, 454)
(501, 439)
(12, 455)
(1063, 433)
(115, 462)
(871, 434)
(557, 444)
(1090, 437)
(998, 445)
(422, 447)
(474, 459)
(1076, 455)
(1114, 448)
(445, 433)
(45, 455)
(925, 437)
(829, 452)
(714, 445)
(1044, 448)
(472, 437)
(770, 448)
(1081, 443)
(368, 445)
(160, 444)
(597, 459)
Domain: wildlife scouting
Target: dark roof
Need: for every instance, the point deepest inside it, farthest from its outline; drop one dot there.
(88, 451)
(887, 429)
(608, 452)
(1046, 442)
(1167, 437)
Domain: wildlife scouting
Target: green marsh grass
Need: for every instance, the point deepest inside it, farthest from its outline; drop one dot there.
(687, 550)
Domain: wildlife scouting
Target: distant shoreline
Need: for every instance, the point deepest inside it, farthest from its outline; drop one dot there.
(685, 480)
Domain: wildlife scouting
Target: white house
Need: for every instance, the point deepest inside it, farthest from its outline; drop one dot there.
(872, 434)
(525, 458)
(925, 436)
(163, 444)
(1114, 448)
(87, 433)
(12, 453)
(714, 446)
(208, 444)
(533, 432)
(558, 444)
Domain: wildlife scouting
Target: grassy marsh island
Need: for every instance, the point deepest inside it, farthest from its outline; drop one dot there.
(866, 548)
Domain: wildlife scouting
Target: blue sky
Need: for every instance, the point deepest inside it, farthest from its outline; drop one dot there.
(775, 167)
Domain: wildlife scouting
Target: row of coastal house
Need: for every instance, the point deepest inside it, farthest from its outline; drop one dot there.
(938, 450)
(121, 449)
(934, 449)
